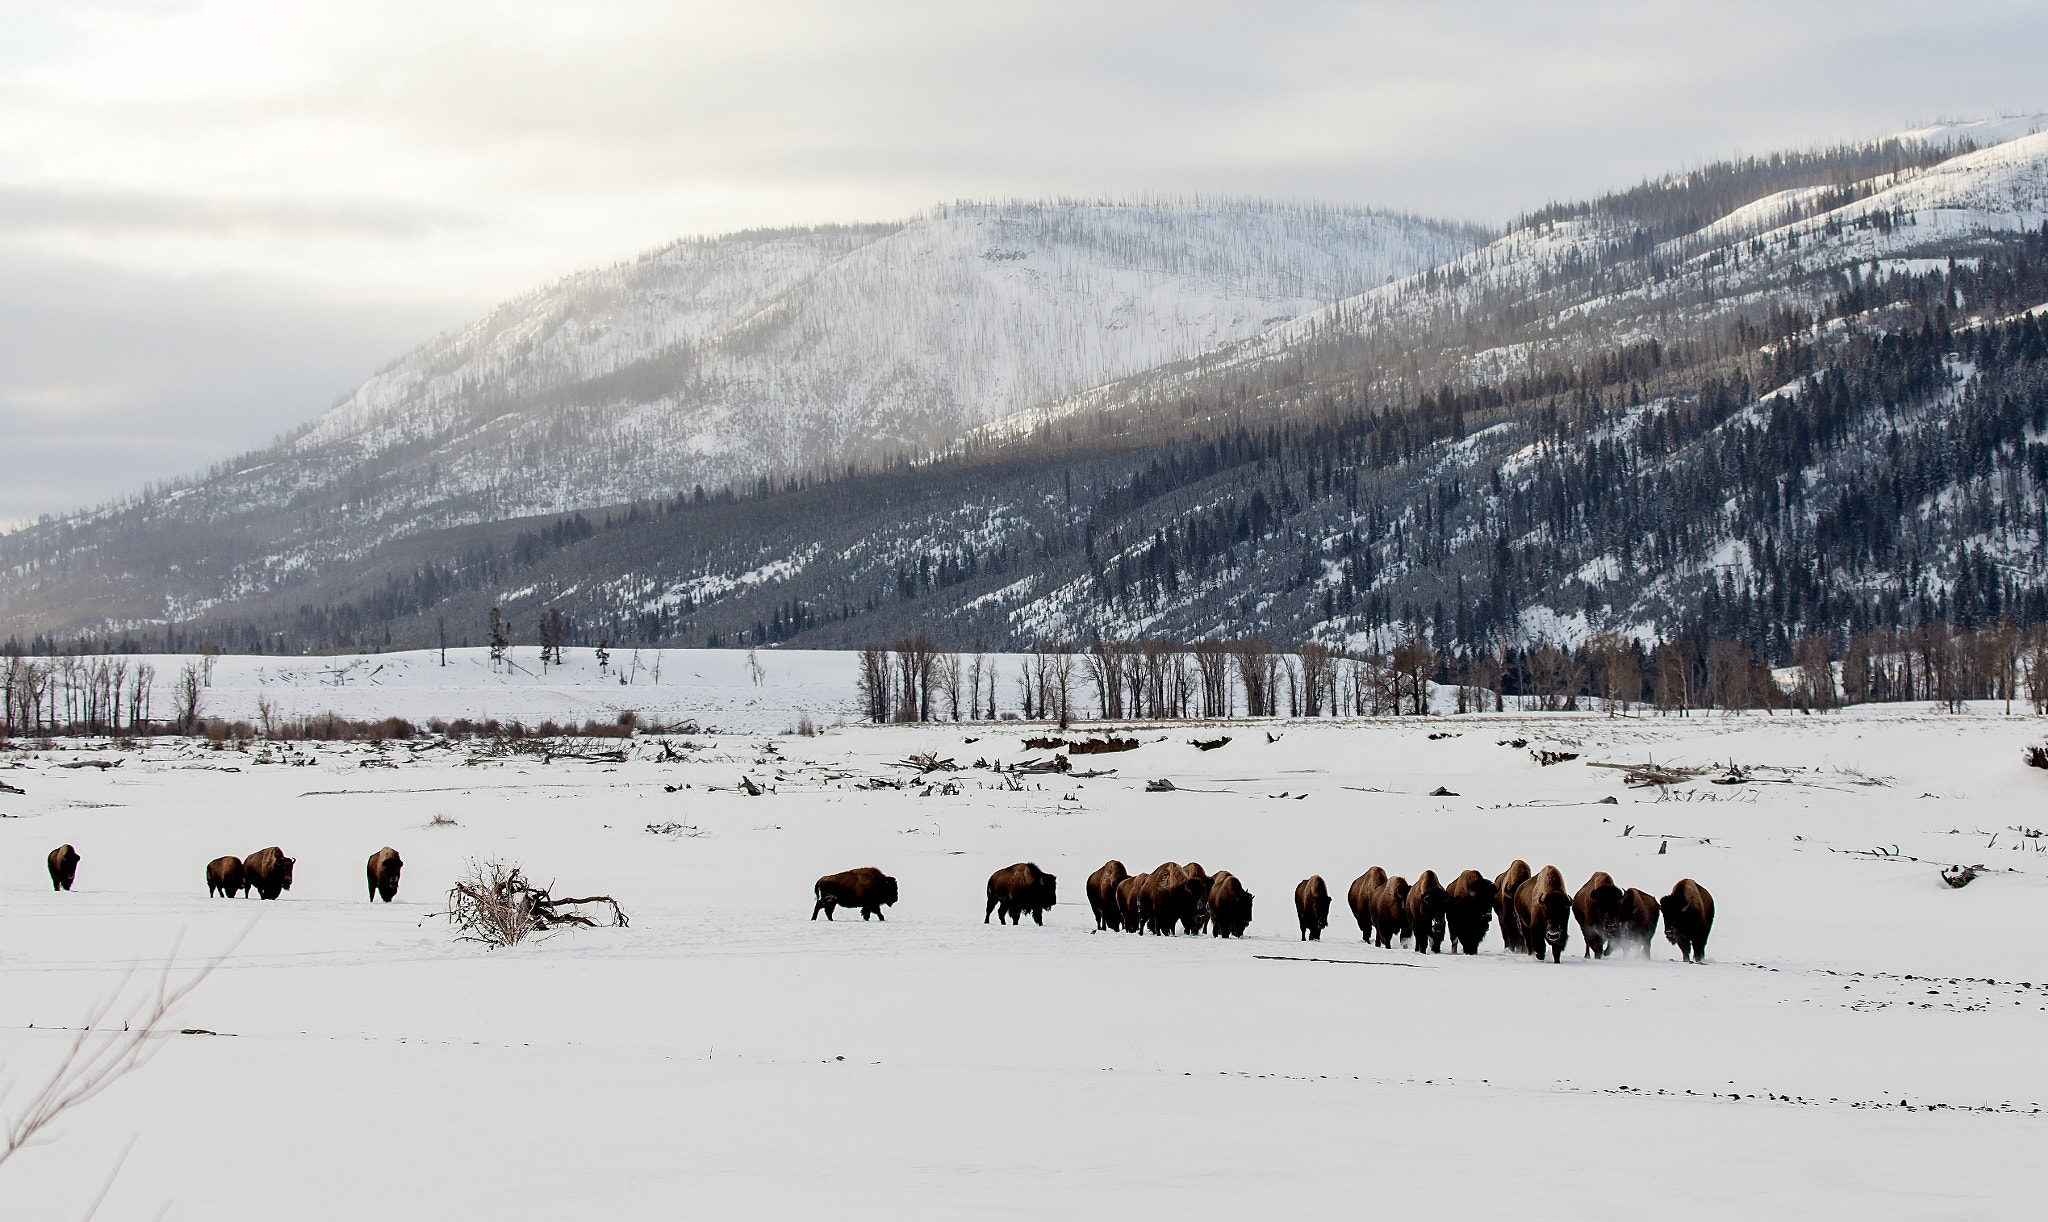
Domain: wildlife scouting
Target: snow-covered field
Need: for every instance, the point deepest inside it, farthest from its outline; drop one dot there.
(716, 688)
(1863, 1041)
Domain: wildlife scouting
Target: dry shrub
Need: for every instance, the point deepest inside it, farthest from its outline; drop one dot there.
(494, 903)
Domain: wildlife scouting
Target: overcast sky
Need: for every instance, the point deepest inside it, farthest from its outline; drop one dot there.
(217, 216)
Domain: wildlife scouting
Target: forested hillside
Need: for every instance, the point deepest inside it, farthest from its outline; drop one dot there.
(1789, 397)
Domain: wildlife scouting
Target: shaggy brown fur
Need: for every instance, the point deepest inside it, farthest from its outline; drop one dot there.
(1194, 898)
(867, 889)
(225, 876)
(1638, 922)
(1102, 894)
(1688, 919)
(1426, 904)
(1598, 907)
(1504, 885)
(1019, 889)
(269, 871)
(1312, 907)
(63, 867)
(1130, 901)
(1469, 911)
(1230, 906)
(1543, 913)
(1360, 899)
(1389, 907)
(383, 872)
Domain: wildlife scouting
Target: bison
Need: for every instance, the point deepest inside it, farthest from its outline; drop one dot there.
(1019, 889)
(1230, 906)
(1389, 907)
(269, 872)
(1102, 894)
(1688, 919)
(1598, 907)
(1176, 897)
(1130, 902)
(1504, 886)
(1312, 907)
(1468, 910)
(867, 889)
(63, 867)
(225, 876)
(1543, 913)
(1360, 899)
(1194, 901)
(1426, 904)
(383, 872)
(1638, 921)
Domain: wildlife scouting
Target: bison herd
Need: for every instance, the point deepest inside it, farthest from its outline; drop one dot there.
(1183, 898)
(1534, 909)
(267, 872)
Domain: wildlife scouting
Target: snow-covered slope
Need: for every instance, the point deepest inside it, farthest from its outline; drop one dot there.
(712, 360)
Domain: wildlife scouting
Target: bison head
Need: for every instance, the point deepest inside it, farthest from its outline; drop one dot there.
(1557, 907)
(283, 877)
(1675, 909)
(885, 890)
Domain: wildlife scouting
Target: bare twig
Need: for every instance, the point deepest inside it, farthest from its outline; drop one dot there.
(99, 1055)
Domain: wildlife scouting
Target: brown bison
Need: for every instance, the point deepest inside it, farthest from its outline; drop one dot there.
(1016, 890)
(1426, 904)
(1688, 919)
(1230, 906)
(383, 872)
(1543, 913)
(269, 872)
(225, 876)
(1130, 902)
(1360, 899)
(1312, 907)
(1638, 921)
(1102, 894)
(1468, 911)
(1194, 903)
(1598, 907)
(867, 889)
(1176, 898)
(1504, 886)
(1389, 907)
(63, 867)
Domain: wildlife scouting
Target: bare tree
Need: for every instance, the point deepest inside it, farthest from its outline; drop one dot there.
(1614, 669)
(190, 691)
(1728, 675)
(1816, 690)
(1318, 675)
(947, 668)
(874, 682)
(974, 687)
(140, 688)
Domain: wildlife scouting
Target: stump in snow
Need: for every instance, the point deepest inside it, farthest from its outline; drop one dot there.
(1959, 876)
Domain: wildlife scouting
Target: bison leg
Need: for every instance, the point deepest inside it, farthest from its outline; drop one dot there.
(1037, 916)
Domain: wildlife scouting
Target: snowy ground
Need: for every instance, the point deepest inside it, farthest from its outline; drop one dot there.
(1863, 1042)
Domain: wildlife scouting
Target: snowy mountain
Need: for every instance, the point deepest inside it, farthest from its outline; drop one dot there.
(765, 353)
(1668, 406)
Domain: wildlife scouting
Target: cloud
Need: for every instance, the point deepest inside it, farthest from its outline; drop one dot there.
(111, 379)
(462, 151)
